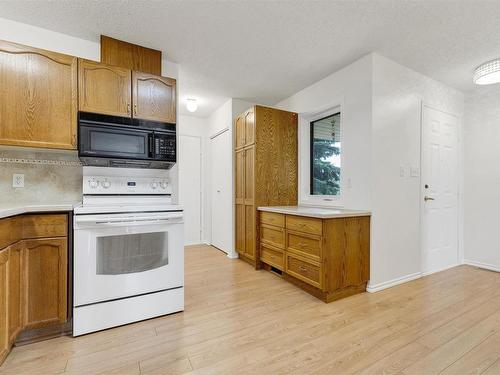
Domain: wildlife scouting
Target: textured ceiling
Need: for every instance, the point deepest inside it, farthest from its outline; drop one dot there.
(264, 51)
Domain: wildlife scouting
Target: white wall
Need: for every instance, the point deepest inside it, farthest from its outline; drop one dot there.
(381, 125)
(482, 177)
(350, 87)
(398, 93)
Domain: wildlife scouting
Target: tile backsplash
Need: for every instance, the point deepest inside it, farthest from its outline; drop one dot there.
(50, 176)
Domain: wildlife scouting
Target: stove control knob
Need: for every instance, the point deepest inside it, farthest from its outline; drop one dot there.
(106, 184)
(93, 184)
(163, 184)
(154, 185)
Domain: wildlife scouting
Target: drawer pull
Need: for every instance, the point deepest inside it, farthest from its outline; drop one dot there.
(302, 268)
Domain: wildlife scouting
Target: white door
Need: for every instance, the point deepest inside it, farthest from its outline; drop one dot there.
(221, 195)
(190, 187)
(439, 190)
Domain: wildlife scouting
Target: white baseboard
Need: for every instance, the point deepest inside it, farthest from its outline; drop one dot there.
(440, 269)
(233, 255)
(388, 284)
(486, 266)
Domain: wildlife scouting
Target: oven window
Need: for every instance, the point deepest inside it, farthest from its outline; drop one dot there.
(119, 143)
(131, 253)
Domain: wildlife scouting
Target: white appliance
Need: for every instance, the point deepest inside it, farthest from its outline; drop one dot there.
(128, 262)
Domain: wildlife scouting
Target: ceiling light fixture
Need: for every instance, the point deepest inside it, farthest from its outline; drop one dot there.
(487, 73)
(191, 105)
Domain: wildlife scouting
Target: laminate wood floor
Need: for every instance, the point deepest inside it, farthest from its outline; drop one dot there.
(241, 321)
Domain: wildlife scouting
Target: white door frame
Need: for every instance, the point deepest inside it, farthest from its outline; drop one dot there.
(202, 184)
(459, 187)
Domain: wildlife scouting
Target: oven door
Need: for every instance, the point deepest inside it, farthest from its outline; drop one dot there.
(114, 142)
(124, 255)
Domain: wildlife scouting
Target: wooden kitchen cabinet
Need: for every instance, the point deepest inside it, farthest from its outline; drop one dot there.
(4, 308)
(33, 277)
(154, 97)
(45, 272)
(104, 89)
(265, 159)
(329, 258)
(38, 99)
(15, 286)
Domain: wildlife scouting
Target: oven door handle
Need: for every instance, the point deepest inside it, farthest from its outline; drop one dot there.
(134, 223)
(125, 220)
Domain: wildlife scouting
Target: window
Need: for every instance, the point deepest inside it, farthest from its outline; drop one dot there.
(325, 149)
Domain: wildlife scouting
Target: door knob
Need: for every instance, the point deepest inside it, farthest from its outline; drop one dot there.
(426, 198)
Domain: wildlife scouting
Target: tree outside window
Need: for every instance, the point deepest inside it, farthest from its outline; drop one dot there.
(325, 155)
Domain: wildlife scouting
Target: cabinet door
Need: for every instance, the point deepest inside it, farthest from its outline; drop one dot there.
(15, 287)
(240, 228)
(154, 97)
(4, 308)
(45, 272)
(104, 89)
(240, 177)
(249, 175)
(240, 131)
(250, 231)
(38, 99)
(249, 128)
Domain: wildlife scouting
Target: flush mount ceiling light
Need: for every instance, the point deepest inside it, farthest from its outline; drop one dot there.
(487, 73)
(191, 105)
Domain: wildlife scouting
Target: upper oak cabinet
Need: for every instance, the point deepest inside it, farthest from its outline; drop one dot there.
(153, 97)
(38, 97)
(104, 89)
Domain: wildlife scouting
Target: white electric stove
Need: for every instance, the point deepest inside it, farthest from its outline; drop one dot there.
(128, 249)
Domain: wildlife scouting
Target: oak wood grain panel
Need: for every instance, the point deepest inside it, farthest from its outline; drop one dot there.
(304, 269)
(240, 228)
(273, 236)
(240, 177)
(4, 307)
(45, 272)
(104, 89)
(15, 291)
(249, 127)
(45, 225)
(304, 244)
(272, 256)
(250, 232)
(304, 224)
(38, 97)
(272, 218)
(130, 56)
(275, 157)
(10, 231)
(249, 175)
(347, 252)
(239, 127)
(154, 97)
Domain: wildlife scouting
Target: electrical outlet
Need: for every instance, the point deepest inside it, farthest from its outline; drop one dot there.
(18, 180)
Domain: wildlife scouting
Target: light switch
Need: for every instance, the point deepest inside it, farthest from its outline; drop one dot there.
(414, 171)
(401, 171)
(18, 180)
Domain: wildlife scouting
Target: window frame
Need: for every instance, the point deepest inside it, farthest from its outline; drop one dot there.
(305, 198)
(311, 163)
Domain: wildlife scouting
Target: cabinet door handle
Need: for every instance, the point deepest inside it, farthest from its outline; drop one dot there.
(135, 109)
(128, 108)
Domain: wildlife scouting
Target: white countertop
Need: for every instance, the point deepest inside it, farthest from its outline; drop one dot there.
(318, 212)
(17, 209)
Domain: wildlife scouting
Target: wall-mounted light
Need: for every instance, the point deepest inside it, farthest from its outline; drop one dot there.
(487, 73)
(191, 105)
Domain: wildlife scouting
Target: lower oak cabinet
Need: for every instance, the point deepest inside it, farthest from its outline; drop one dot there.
(329, 258)
(33, 277)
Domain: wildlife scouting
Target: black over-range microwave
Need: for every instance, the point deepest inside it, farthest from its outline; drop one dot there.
(110, 141)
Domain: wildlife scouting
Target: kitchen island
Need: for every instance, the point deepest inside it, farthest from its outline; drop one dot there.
(326, 252)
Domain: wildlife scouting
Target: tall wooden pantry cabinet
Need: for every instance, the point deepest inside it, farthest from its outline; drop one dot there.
(265, 170)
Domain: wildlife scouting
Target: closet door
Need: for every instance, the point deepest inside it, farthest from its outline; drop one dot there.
(104, 89)
(154, 97)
